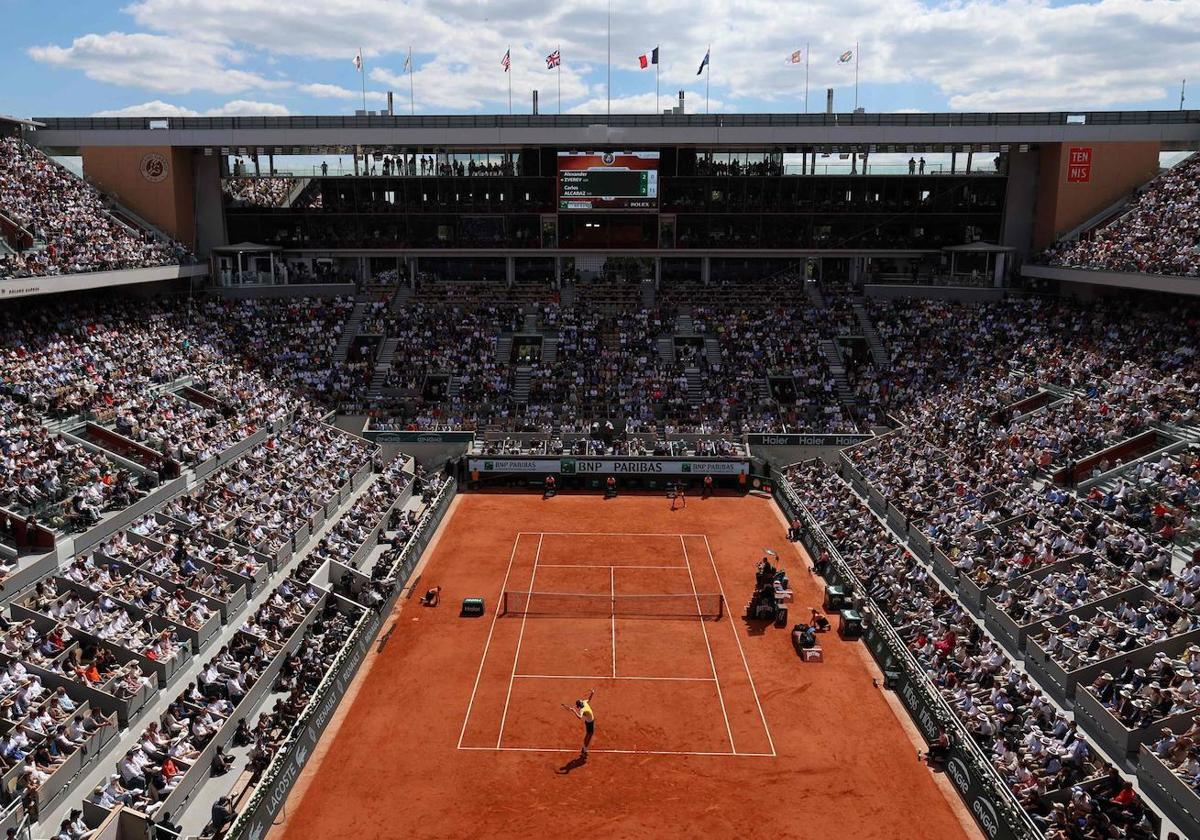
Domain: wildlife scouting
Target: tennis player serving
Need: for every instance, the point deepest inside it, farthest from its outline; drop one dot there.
(583, 711)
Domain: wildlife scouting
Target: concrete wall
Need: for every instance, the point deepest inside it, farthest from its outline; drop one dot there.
(156, 182)
(967, 294)
(21, 287)
(210, 207)
(1081, 279)
(1020, 203)
(1117, 169)
(314, 290)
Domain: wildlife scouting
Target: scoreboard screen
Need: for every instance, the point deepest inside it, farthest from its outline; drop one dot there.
(608, 180)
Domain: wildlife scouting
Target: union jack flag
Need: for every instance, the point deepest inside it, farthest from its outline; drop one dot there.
(553, 60)
(504, 62)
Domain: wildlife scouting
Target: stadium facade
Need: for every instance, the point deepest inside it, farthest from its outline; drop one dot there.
(727, 194)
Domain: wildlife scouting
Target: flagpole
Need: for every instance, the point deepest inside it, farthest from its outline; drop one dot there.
(558, 50)
(508, 72)
(806, 51)
(608, 84)
(856, 75)
(412, 101)
(707, 75)
(363, 70)
(657, 107)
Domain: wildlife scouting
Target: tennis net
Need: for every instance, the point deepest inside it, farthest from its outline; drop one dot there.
(588, 605)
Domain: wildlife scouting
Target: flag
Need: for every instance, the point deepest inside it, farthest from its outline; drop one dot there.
(845, 57)
(504, 62)
(358, 61)
(554, 59)
(797, 57)
(703, 63)
(408, 61)
(645, 61)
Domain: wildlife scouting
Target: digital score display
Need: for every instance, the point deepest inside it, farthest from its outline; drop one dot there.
(608, 180)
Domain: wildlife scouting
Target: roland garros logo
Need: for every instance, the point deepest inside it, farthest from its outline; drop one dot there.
(154, 167)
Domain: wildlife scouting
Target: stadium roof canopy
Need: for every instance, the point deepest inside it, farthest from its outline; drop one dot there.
(903, 133)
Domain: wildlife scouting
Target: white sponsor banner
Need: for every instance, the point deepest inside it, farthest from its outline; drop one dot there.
(609, 466)
(17, 287)
(514, 465)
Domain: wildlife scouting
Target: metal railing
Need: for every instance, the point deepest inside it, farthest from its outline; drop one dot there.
(1017, 819)
(280, 775)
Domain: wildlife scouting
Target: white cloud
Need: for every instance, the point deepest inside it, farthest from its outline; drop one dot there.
(156, 62)
(325, 91)
(154, 108)
(996, 54)
(248, 108)
(643, 103)
(235, 108)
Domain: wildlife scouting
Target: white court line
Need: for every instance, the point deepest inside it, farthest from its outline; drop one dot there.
(605, 534)
(597, 566)
(488, 644)
(619, 752)
(520, 638)
(738, 639)
(606, 677)
(612, 588)
(711, 662)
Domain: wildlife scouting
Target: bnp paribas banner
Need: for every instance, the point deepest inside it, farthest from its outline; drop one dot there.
(608, 466)
(651, 466)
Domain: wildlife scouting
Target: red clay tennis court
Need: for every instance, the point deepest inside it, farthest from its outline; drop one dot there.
(704, 725)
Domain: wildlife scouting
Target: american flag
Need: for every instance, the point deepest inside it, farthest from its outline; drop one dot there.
(504, 62)
(553, 60)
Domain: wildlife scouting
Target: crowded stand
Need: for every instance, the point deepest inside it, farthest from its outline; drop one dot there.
(71, 228)
(1158, 234)
(258, 192)
(1032, 745)
(355, 533)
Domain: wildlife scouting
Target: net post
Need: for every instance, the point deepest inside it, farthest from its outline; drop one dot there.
(720, 606)
(502, 607)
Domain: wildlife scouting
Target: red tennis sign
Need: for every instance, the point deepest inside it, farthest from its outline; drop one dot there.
(1079, 165)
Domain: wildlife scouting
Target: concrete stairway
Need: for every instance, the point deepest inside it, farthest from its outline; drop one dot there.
(712, 351)
(349, 332)
(403, 295)
(695, 385)
(383, 364)
(566, 296)
(504, 348)
(648, 295)
(684, 324)
(520, 387)
(813, 291)
(879, 353)
(666, 348)
(550, 348)
(837, 366)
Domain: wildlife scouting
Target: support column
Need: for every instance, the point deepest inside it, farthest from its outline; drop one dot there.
(657, 273)
(510, 270)
(558, 272)
(705, 269)
(953, 162)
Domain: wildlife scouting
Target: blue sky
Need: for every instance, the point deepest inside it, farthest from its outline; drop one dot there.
(270, 57)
